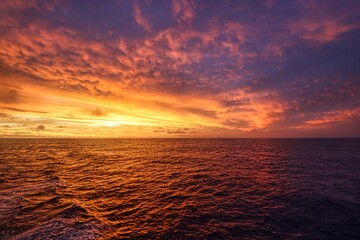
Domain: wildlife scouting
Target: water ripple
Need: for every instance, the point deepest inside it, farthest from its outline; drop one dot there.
(180, 189)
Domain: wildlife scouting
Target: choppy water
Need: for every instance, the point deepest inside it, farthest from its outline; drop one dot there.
(180, 189)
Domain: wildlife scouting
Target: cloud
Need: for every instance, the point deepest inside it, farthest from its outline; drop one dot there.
(40, 127)
(183, 11)
(140, 19)
(321, 22)
(97, 112)
(23, 110)
(10, 96)
(228, 65)
(335, 117)
(176, 132)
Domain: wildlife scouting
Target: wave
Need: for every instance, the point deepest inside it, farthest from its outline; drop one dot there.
(180, 189)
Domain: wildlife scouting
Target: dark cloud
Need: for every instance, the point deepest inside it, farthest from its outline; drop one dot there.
(176, 132)
(97, 112)
(234, 123)
(10, 96)
(40, 127)
(189, 110)
(23, 110)
(202, 112)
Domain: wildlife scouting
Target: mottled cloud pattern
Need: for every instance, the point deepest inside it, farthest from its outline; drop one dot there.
(180, 68)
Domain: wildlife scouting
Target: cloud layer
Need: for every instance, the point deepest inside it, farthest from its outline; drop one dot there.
(179, 68)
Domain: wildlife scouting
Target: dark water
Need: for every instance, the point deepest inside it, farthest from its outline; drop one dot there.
(180, 189)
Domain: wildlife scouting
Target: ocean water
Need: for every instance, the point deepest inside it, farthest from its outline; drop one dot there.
(179, 189)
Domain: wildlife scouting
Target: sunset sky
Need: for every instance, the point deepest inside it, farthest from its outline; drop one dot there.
(179, 68)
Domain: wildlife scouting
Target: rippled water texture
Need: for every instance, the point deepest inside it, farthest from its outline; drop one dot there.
(180, 189)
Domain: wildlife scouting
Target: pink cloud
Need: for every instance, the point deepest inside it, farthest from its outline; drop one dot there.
(140, 18)
(322, 22)
(334, 117)
(183, 11)
(330, 119)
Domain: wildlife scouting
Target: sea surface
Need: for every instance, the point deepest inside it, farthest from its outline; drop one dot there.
(179, 189)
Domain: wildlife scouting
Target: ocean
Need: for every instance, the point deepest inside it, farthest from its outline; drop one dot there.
(179, 189)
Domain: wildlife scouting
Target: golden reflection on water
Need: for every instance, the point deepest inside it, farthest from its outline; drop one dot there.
(90, 189)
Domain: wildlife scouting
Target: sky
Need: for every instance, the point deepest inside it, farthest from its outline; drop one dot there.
(179, 68)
